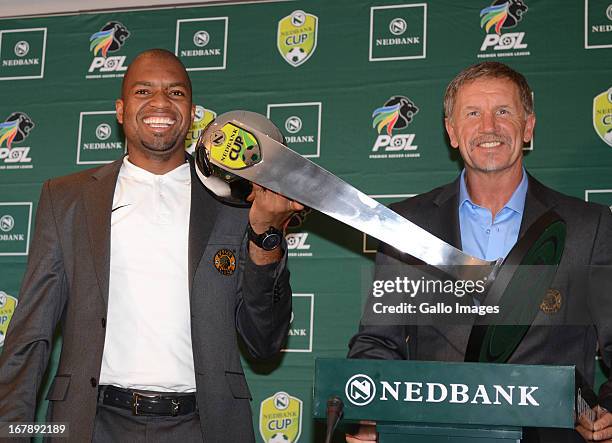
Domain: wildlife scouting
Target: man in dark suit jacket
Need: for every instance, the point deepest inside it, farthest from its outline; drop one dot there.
(489, 114)
(230, 284)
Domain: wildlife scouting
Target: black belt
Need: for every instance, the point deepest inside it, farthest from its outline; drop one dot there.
(148, 403)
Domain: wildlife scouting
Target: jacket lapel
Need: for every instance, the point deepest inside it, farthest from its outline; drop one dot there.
(202, 218)
(537, 202)
(453, 338)
(98, 200)
(447, 217)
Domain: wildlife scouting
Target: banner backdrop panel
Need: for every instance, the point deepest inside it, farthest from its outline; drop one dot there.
(326, 73)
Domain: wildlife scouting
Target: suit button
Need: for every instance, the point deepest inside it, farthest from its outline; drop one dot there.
(93, 382)
(103, 322)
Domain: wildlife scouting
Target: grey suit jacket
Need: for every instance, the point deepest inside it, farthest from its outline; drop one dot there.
(67, 281)
(588, 242)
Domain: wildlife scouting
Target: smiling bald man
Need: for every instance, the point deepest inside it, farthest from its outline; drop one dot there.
(152, 279)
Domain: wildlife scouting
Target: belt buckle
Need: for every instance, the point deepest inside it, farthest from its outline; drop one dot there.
(175, 407)
(135, 397)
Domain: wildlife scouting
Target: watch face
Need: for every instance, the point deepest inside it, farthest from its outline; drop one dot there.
(271, 241)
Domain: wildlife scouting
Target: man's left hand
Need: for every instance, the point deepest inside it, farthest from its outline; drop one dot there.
(599, 430)
(269, 209)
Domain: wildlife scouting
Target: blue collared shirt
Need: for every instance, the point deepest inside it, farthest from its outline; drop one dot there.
(480, 235)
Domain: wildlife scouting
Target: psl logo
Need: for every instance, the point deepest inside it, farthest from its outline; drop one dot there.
(602, 116)
(298, 218)
(15, 129)
(297, 244)
(280, 418)
(297, 37)
(396, 114)
(503, 14)
(110, 38)
(297, 241)
(203, 117)
(8, 303)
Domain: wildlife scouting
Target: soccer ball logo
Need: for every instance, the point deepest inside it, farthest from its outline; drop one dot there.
(608, 137)
(251, 155)
(296, 55)
(279, 437)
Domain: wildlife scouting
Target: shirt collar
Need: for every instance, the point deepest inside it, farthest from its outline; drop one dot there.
(180, 174)
(516, 202)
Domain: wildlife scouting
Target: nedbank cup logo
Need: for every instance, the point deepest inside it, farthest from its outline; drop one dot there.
(503, 14)
(201, 120)
(297, 37)
(280, 418)
(7, 308)
(602, 116)
(110, 38)
(15, 129)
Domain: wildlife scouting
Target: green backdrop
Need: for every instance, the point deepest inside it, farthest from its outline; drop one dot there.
(319, 69)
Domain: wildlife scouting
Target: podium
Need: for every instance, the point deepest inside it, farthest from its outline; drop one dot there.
(435, 402)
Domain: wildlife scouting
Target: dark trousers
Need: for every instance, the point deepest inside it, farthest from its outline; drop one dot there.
(119, 425)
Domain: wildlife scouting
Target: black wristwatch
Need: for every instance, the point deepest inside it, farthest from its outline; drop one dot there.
(268, 241)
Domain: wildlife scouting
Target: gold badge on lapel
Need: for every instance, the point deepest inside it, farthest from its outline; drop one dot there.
(225, 261)
(551, 303)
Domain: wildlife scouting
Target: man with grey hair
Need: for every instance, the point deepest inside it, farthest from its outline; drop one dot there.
(488, 117)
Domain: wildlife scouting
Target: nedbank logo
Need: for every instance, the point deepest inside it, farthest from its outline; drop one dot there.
(201, 43)
(109, 39)
(7, 223)
(601, 196)
(597, 24)
(202, 119)
(280, 418)
(602, 116)
(8, 303)
(100, 139)
(301, 325)
(15, 223)
(361, 390)
(398, 32)
(296, 38)
(300, 124)
(503, 15)
(14, 130)
(22, 53)
(394, 116)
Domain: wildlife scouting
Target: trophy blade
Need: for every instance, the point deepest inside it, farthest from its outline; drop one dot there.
(288, 173)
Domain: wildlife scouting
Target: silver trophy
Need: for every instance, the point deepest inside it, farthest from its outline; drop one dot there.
(239, 147)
